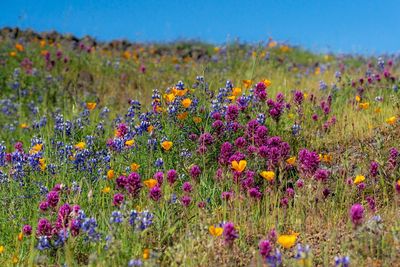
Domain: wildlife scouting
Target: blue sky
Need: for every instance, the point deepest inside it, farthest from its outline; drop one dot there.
(368, 27)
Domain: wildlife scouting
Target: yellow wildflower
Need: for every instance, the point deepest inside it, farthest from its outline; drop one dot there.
(178, 92)
(215, 231)
(247, 83)
(146, 253)
(287, 241)
(80, 145)
(236, 91)
(291, 160)
(268, 175)
(106, 190)
(364, 105)
(36, 148)
(239, 166)
(15, 260)
(186, 102)
(359, 179)
(130, 142)
(150, 183)
(42, 164)
(91, 105)
(391, 120)
(182, 116)
(169, 97)
(267, 82)
(197, 119)
(110, 174)
(135, 167)
(150, 128)
(167, 145)
(19, 47)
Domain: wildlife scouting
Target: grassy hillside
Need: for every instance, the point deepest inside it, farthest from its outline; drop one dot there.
(187, 154)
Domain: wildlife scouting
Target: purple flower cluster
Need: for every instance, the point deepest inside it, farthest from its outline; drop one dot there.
(277, 107)
(356, 214)
(132, 183)
(265, 247)
(373, 168)
(229, 233)
(308, 162)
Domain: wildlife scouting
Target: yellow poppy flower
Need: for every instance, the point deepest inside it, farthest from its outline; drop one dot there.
(135, 167)
(231, 98)
(359, 179)
(150, 128)
(36, 148)
(42, 164)
(150, 183)
(80, 145)
(358, 98)
(146, 253)
(23, 125)
(13, 54)
(106, 190)
(287, 241)
(197, 119)
(215, 231)
(291, 161)
(326, 158)
(364, 105)
(178, 92)
(127, 55)
(268, 175)
(247, 83)
(169, 97)
(19, 47)
(267, 82)
(236, 91)
(1, 249)
(391, 120)
(159, 109)
(167, 145)
(91, 105)
(186, 102)
(110, 174)
(182, 116)
(239, 166)
(130, 142)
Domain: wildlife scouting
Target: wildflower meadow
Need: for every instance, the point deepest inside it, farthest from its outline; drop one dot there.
(191, 154)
